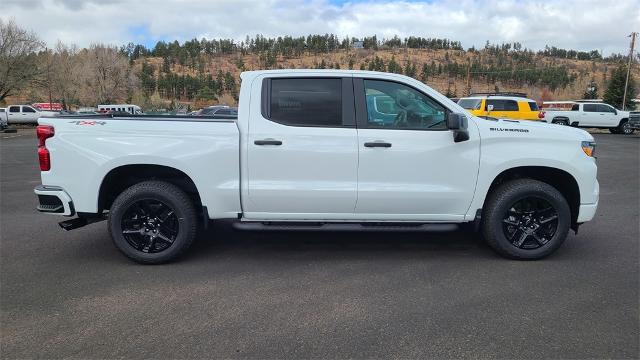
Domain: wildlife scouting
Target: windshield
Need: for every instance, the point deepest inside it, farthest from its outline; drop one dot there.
(470, 104)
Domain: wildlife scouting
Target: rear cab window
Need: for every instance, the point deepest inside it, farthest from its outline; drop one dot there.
(533, 106)
(575, 107)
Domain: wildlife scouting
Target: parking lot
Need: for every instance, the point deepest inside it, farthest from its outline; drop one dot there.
(313, 295)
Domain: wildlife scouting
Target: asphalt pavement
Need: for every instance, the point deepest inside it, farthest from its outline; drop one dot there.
(319, 295)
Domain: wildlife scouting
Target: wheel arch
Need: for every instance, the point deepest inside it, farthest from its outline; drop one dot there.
(120, 178)
(560, 179)
(622, 121)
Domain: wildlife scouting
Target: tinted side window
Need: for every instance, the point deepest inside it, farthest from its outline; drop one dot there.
(590, 107)
(306, 102)
(605, 108)
(498, 105)
(15, 109)
(575, 107)
(510, 105)
(397, 106)
(223, 112)
(533, 106)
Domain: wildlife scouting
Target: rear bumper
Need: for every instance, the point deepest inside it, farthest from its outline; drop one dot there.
(54, 200)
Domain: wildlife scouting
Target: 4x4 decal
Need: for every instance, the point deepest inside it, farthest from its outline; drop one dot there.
(86, 122)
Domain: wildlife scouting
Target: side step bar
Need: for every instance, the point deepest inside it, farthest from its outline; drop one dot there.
(311, 226)
(80, 222)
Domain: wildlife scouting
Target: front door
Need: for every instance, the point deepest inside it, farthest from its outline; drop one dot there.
(302, 155)
(410, 168)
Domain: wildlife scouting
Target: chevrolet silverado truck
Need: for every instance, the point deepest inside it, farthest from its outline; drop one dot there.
(308, 151)
(592, 115)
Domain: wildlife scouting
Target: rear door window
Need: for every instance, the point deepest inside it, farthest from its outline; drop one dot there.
(510, 105)
(14, 109)
(306, 102)
(590, 108)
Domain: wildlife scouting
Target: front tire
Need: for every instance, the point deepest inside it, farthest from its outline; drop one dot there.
(526, 219)
(624, 128)
(152, 222)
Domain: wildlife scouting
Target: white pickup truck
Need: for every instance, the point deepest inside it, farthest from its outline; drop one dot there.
(319, 150)
(592, 115)
(25, 114)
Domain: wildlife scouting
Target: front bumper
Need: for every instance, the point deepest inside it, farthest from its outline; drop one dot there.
(54, 200)
(586, 212)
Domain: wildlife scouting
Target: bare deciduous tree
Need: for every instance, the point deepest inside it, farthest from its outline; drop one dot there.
(105, 75)
(18, 58)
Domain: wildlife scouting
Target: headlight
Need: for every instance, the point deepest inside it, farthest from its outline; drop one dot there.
(589, 148)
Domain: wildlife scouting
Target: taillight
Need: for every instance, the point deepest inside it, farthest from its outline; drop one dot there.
(541, 115)
(44, 132)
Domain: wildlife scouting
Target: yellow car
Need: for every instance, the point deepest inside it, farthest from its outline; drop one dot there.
(502, 105)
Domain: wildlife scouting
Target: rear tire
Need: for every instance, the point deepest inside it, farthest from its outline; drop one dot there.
(525, 219)
(153, 222)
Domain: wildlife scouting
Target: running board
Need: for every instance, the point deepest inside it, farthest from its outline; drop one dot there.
(319, 226)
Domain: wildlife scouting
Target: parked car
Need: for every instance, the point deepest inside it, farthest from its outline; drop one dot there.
(502, 105)
(592, 115)
(307, 153)
(219, 111)
(25, 114)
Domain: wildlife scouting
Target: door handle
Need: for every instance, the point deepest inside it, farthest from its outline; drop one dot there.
(268, 142)
(381, 144)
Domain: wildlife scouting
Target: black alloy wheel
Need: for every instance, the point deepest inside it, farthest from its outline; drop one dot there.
(150, 226)
(530, 223)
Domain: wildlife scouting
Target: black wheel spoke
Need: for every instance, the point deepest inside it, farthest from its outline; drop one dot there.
(164, 238)
(519, 237)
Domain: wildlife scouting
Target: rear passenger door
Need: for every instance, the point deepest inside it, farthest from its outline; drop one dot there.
(302, 155)
(506, 109)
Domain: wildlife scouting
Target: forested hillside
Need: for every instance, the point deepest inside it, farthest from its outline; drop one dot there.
(201, 72)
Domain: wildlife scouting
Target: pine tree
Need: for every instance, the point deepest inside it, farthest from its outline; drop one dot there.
(592, 90)
(615, 91)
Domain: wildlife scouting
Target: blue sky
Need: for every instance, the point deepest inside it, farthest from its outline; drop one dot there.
(576, 24)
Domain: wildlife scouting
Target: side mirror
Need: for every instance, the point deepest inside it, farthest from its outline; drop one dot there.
(615, 111)
(458, 123)
(489, 108)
